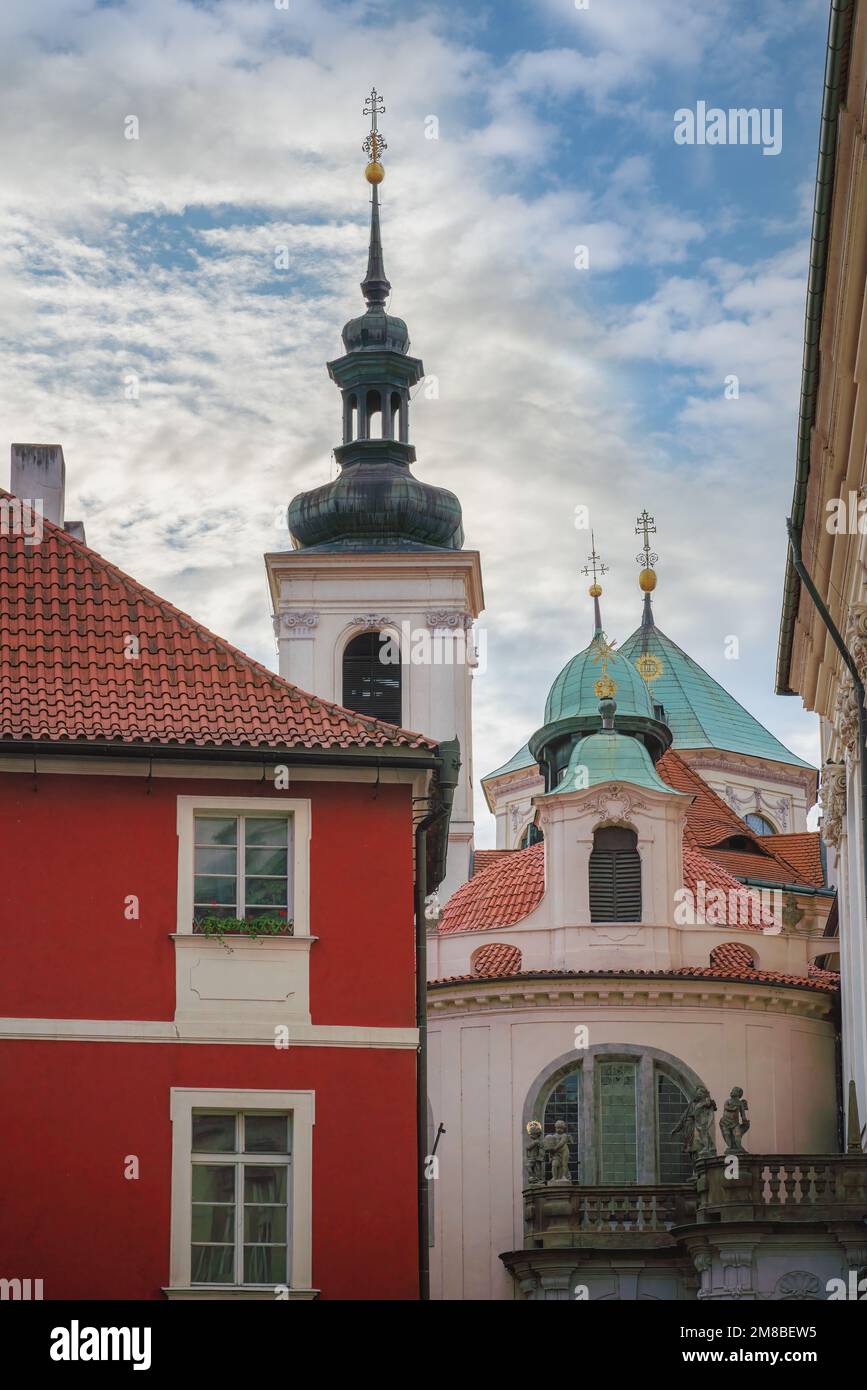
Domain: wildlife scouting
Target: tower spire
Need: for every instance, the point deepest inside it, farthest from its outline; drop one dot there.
(645, 526)
(375, 286)
(595, 567)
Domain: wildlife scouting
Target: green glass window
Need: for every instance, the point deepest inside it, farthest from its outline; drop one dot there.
(616, 1121)
(242, 866)
(240, 1199)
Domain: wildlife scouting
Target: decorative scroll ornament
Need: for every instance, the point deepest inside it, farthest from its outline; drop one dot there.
(613, 803)
(832, 795)
(856, 637)
(295, 624)
(371, 620)
(846, 714)
(448, 618)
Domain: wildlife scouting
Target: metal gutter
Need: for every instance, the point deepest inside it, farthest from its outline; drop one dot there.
(178, 752)
(803, 889)
(836, 68)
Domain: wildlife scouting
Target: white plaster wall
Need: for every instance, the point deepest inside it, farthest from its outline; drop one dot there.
(483, 1064)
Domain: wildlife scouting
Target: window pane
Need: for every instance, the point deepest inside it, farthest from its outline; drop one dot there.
(254, 912)
(264, 1225)
(216, 861)
(214, 1134)
(266, 891)
(563, 1104)
(216, 1224)
(266, 861)
(264, 1183)
(266, 1134)
(214, 891)
(213, 1264)
(259, 831)
(674, 1162)
(213, 910)
(213, 1182)
(616, 1124)
(214, 830)
(264, 1264)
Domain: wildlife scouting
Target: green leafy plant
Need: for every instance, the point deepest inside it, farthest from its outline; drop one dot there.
(243, 926)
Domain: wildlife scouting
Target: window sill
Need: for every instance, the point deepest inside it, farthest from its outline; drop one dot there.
(186, 1295)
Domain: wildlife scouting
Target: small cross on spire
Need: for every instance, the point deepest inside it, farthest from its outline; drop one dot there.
(594, 564)
(374, 144)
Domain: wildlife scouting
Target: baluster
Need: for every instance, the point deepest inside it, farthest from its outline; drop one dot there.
(812, 1195)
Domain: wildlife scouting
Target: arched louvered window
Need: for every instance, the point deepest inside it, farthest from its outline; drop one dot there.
(372, 686)
(615, 876)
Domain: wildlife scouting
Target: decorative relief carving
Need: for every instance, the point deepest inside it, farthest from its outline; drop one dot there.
(371, 620)
(295, 624)
(846, 713)
(798, 1284)
(450, 618)
(758, 800)
(856, 637)
(613, 802)
(832, 795)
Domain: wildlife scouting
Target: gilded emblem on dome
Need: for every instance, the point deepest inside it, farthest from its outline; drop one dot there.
(649, 667)
(605, 687)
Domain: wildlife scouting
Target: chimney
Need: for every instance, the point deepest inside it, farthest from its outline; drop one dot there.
(38, 471)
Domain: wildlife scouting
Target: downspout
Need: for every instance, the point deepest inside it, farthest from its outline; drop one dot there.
(437, 818)
(849, 662)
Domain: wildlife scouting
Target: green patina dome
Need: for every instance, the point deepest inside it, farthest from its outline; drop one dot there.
(573, 692)
(610, 757)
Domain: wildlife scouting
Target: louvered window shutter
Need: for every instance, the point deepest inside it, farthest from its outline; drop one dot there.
(371, 686)
(615, 876)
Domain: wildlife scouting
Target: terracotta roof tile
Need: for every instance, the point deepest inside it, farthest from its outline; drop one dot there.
(484, 858)
(513, 886)
(710, 822)
(804, 850)
(66, 616)
(824, 981)
(497, 959)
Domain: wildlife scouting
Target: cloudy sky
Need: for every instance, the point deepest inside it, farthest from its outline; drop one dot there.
(152, 261)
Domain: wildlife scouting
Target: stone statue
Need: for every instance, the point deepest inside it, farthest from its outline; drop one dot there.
(557, 1145)
(696, 1125)
(734, 1123)
(535, 1155)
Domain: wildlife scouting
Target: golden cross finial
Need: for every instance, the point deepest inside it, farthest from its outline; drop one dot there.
(594, 564)
(645, 526)
(605, 687)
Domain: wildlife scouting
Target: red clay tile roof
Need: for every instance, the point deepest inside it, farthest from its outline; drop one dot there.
(497, 959)
(484, 858)
(824, 981)
(513, 886)
(65, 616)
(500, 895)
(732, 955)
(710, 822)
(804, 850)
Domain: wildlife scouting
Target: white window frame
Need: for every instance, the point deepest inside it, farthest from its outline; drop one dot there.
(300, 1105)
(294, 808)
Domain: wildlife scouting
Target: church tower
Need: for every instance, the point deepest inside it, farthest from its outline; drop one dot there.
(374, 605)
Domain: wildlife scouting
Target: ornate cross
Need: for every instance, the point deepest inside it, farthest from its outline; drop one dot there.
(374, 144)
(594, 565)
(646, 526)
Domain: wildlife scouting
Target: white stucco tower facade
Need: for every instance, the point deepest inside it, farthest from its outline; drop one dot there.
(375, 604)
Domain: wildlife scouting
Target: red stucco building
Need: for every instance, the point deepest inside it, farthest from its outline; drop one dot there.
(192, 1112)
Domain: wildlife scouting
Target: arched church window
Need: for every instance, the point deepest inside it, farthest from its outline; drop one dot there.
(615, 875)
(394, 428)
(371, 686)
(532, 836)
(619, 1108)
(759, 825)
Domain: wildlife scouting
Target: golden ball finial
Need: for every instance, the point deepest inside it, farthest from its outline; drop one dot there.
(647, 581)
(374, 173)
(595, 590)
